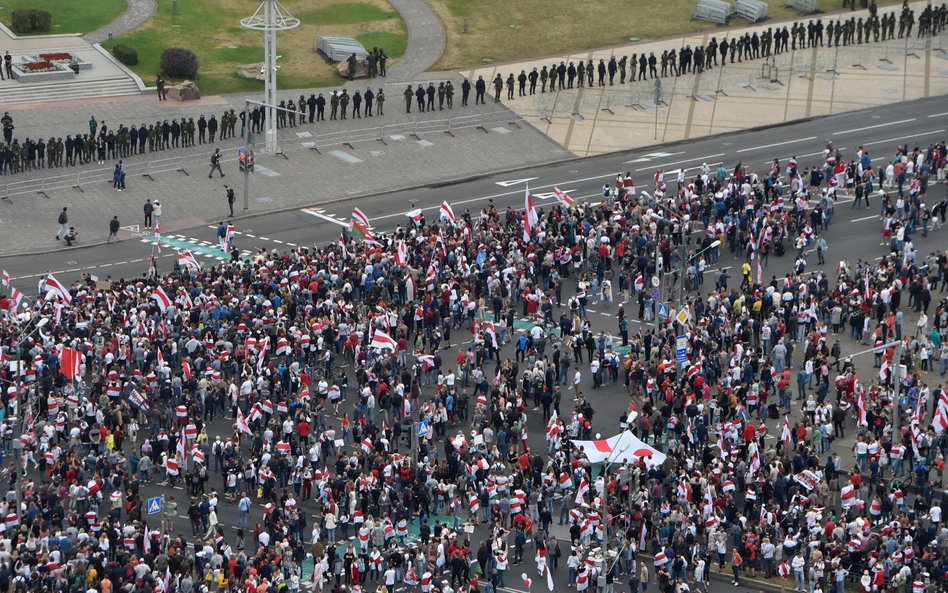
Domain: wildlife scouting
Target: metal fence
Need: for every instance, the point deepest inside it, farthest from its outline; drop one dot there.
(771, 74)
(80, 180)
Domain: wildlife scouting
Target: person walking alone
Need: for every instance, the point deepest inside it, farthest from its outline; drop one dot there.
(63, 221)
(231, 198)
(113, 229)
(216, 163)
(148, 209)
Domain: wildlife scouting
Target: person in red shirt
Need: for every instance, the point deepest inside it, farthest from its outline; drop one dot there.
(736, 561)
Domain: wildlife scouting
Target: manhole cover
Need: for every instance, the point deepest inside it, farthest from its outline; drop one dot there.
(577, 117)
(768, 87)
(888, 67)
(264, 199)
(727, 143)
(890, 91)
(828, 76)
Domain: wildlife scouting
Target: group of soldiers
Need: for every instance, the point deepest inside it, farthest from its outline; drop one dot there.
(425, 97)
(363, 103)
(103, 142)
(750, 46)
(374, 62)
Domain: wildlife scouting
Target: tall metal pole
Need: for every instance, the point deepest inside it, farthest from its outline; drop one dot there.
(896, 380)
(22, 410)
(270, 18)
(248, 135)
(17, 443)
(269, 77)
(658, 274)
(605, 528)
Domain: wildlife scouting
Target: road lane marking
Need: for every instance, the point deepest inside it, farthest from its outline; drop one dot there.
(938, 115)
(808, 138)
(663, 165)
(928, 133)
(876, 216)
(885, 125)
(312, 212)
(654, 155)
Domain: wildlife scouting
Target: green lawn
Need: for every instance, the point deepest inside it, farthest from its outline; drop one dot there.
(212, 30)
(69, 16)
(510, 31)
(346, 13)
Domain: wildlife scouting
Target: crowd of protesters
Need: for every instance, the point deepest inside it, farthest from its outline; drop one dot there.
(295, 379)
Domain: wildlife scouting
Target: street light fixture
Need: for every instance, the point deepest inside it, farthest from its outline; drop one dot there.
(681, 289)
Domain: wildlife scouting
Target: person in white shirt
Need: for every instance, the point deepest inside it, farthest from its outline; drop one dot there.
(390, 579)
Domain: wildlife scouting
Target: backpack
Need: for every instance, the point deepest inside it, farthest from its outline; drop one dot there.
(62, 217)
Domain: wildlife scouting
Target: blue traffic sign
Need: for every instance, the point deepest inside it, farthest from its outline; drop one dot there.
(655, 294)
(154, 505)
(663, 311)
(422, 429)
(681, 349)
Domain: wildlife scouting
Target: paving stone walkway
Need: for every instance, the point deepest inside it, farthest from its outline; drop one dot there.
(426, 39)
(137, 13)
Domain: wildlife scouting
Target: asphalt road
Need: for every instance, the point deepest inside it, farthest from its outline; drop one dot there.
(878, 130)
(854, 234)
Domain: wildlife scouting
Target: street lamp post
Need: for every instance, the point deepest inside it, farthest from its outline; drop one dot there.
(685, 262)
(21, 414)
(604, 562)
(659, 273)
(896, 380)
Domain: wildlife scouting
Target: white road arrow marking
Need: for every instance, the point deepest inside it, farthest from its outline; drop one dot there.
(515, 181)
(312, 212)
(550, 195)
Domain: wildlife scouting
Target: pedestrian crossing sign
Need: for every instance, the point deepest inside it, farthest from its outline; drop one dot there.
(154, 505)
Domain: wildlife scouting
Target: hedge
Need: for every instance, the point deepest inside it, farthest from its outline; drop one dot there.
(179, 63)
(125, 54)
(31, 20)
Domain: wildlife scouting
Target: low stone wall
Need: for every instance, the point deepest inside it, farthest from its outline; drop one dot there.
(57, 74)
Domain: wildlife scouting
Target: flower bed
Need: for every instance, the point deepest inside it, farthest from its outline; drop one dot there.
(35, 69)
(39, 67)
(57, 57)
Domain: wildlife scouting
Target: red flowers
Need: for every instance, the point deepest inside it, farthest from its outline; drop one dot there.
(56, 57)
(38, 66)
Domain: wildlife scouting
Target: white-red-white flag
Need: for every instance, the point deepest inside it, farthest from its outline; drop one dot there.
(563, 198)
(55, 286)
(530, 218)
(242, 425)
(447, 213)
(383, 341)
(160, 298)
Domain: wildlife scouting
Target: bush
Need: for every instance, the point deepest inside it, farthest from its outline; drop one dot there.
(125, 54)
(31, 20)
(178, 63)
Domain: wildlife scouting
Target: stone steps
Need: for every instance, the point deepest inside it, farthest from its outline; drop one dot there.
(15, 92)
